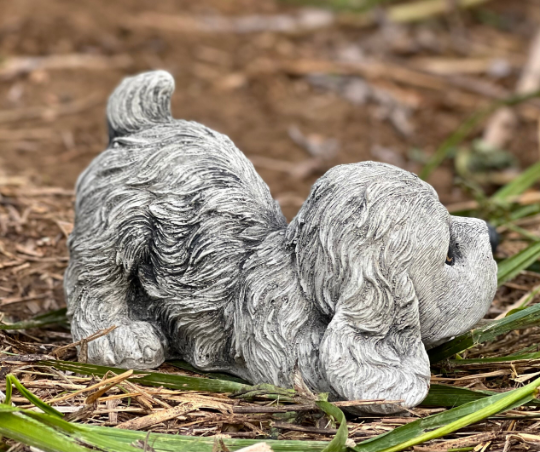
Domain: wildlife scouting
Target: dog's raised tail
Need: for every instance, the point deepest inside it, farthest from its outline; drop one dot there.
(140, 102)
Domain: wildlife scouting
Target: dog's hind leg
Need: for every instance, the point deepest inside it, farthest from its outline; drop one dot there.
(108, 243)
(101, 289)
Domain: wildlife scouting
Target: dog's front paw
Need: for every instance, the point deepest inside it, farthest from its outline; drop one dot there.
(135, 345)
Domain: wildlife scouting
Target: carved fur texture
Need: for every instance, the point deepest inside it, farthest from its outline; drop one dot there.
(178, 242)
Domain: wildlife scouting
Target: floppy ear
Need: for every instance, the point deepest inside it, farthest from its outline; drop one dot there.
(372, 347)
(355, 239)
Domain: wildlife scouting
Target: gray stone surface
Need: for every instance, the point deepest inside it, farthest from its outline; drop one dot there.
(178, 242)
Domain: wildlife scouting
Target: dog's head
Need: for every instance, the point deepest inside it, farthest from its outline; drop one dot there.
(392, 272)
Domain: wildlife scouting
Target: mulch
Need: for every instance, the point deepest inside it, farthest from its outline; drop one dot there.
(34, 223)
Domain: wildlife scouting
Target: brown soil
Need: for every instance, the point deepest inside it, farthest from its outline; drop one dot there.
(217, 85)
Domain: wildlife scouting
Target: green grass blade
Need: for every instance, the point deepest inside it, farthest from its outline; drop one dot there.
(441, 395)
(524, 211)
(215, 375)
(498, 359)
(510, 268)
(449, 421)
(452, 396)
(338, 442)
(11, 381)
(33, 433)
(50, 433)
(178, 443)
(154, 378)
(50, 318)
(522, 319)
(466, 128)
(519, 184)
(205, 384)
(181, 382)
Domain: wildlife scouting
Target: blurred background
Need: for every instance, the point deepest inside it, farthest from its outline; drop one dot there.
(299, 86)
(438, 87)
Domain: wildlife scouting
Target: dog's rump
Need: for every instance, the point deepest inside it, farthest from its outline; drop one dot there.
(177, 208)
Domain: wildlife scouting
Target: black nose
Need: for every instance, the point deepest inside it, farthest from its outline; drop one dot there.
(493, 238)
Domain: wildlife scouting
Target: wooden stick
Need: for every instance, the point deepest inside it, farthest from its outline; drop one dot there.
(501, 126)
(14, 66)
(28, 134)
(109, 383)
(59, 350)
(157, 417)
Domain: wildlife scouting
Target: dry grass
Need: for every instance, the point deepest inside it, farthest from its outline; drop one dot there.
(33, 225)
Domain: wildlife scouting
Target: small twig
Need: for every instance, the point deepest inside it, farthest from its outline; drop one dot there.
(8, 301)
(92, 398)
(45, 191)
(25, 358)
(59, 350)
(111, 404)
(424, 9)
(28, 134)
(14, 66)
(157, 417)
(83, 413)
(300, 428)
(145, 399)
(495, 373)
(367, 402)
(304, 20)
(108, 383)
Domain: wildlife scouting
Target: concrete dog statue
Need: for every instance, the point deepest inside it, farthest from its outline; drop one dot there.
(178, 242)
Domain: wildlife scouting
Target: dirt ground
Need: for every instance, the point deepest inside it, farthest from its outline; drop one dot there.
(237, 84)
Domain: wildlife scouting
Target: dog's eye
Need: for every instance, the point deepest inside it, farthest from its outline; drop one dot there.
(449, 257)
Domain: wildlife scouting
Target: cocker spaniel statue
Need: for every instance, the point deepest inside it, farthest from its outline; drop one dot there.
(178, 242)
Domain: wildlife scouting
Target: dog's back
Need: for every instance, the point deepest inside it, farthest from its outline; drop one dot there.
(165, 219)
